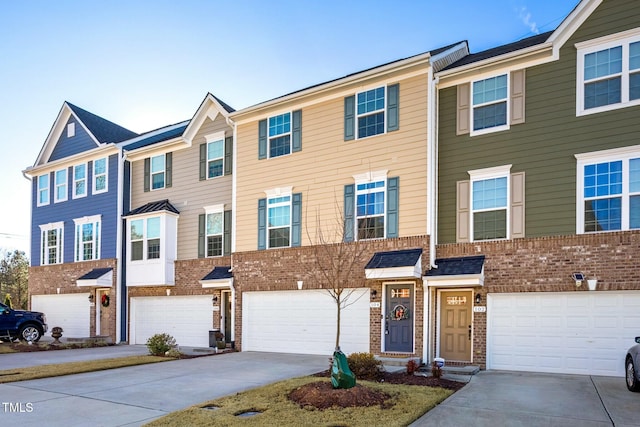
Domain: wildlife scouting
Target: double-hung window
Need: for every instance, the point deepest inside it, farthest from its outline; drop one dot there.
(51, 243)
(158, 172)
(279, 221)
(145, 238)
(79, 181)
(370, 209)
(370, 110)
(609, 190)
(214, 231)
(87, 238)
(609, 73)
(100, 172)
(215, 157)
(489, 104)
(280, 135)
(490, 203)
(61, 185)
(43, 190)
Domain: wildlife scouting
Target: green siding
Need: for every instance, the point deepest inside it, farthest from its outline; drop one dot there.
(544, 146)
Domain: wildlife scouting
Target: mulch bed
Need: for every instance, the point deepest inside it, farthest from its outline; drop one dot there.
(322, 395)
(26, 348)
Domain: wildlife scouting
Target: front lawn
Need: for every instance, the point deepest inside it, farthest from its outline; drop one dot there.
(406, 404)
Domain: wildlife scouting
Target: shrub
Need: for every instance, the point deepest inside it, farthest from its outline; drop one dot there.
(174, 352)
(412, 366)
(365, 366)
(159, 344)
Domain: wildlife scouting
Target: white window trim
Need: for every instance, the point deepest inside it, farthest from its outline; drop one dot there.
(39, 190)
(97, 238)
(74, 195)
(164, 173)
(44, 228)
(273, 193)
(215, 137)
(366, 178)
(290, 133)
(106, 176)
(623, 39)
(472, 107)
(481, 175)
(208, 210)
(624, 154)
(357, 116)
(65, 185)
(145, 238)
(71, 130)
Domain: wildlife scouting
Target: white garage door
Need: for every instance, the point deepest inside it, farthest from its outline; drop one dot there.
(573, 333)
(68, 311)
(187, 318)
(303, 322)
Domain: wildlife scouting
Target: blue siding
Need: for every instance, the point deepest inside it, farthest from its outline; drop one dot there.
(105, 204)
(78, 143)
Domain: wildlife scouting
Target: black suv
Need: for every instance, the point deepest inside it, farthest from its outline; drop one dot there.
(26, 325)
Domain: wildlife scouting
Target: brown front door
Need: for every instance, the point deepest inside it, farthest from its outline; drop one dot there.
(455, 325)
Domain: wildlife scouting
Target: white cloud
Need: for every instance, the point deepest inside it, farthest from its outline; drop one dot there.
(525, 17)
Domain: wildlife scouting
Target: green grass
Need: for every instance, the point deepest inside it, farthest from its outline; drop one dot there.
(56, 370)
(406, 405)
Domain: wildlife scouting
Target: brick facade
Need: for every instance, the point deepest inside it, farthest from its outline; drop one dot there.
(280, 269)
(61, 279)
(545, 264)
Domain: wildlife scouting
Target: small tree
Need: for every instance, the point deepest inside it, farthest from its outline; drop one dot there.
(7, 301)
(14, 277)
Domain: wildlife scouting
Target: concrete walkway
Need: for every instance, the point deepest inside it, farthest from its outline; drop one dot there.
(136, 395)
(499, 398)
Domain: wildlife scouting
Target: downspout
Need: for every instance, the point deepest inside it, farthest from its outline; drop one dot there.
(119, 264)
(233, 223)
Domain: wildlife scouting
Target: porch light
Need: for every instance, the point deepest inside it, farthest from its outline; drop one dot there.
(91, 298)
(478, 298)
(214, 300)
(578, 277)
(374, 293)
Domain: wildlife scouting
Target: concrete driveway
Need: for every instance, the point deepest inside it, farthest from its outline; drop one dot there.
(136, 395)
(499, 398)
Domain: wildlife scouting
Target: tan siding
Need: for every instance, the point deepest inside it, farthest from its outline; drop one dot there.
(188, 194)
(327, 163)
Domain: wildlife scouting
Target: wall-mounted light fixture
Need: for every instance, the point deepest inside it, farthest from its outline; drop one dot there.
(374, 293)
(578, 277)
(168, 292)
(214, 300)
(478, 298)
(300, 282)
(592, 283)
(91, 298)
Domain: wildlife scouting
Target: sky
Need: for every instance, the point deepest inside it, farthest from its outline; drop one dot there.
(145, 64)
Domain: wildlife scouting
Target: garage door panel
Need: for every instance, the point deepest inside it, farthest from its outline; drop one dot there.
(303, 322)
(71, 312)
(580, 333)
(187, 318)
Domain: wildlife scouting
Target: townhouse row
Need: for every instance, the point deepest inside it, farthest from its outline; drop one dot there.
(479, 207)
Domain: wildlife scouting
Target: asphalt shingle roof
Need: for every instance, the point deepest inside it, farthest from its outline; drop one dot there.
(96, 273)
(402, 258)
(501, 50)
(226, 106)
(154, 139)
(158, 206)
(219, 273)
(104, 130)
(457, 266)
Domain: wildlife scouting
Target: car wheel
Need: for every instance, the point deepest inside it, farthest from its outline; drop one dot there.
(632, 381)
(30, 333)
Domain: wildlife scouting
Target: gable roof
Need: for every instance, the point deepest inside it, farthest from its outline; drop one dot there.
(210, 107)
(104, 130)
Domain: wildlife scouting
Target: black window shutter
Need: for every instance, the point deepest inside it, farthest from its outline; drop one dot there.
(262, 224)
(168, 170)
(226, 237)
(262, 139)
(201, 236)
(203, 161)
(228, 155)
(147, 174)
(349, 117)
(349, 206)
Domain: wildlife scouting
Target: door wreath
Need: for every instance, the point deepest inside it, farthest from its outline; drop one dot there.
(104, 300)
